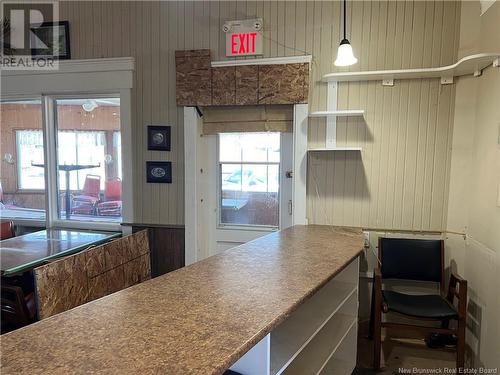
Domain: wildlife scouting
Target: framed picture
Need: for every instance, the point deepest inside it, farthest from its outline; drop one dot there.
(159, 172)
(159, 138)
(52, 39)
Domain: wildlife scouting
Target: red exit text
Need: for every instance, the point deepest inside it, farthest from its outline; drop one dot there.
(243, 43)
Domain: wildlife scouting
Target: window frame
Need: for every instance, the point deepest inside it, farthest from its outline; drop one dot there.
(109, 76)
(49, 132)
(53, 183)
(249, 227)
(30, 222)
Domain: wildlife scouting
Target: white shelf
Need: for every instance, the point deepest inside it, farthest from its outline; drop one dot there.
(316, 355)
(264, 61)
(335, 149)
(472, 64)
(345, 113)
(294, 334)
(343, 359)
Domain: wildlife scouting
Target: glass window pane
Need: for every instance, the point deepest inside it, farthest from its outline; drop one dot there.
(254, 147)
(230, 147)
(22, 175)
(89, 159)
(249, 178)
(273, 147)
(231, 177)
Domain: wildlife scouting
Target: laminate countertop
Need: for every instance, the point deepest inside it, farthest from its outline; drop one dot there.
(196, 320)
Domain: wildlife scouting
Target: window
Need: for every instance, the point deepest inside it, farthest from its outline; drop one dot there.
(89, 159)
(249, 179)
(22, 172)
(87, 140)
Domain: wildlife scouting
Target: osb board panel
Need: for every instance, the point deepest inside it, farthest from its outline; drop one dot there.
(283, 84)
(193, 77)
(91, 274)
(240, 85)
(247, 84)
(223, 86)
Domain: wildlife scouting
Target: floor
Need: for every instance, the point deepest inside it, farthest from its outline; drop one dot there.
(400, 353)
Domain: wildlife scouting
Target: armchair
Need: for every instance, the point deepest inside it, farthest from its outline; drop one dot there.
(420, 260)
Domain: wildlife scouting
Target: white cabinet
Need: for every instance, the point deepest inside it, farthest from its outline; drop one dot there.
(319, 338)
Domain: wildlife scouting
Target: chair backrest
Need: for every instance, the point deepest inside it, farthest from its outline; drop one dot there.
(6, 230)
(91, 274)
(412, 259)
(92, 185)
(113, 190)
(13, 306)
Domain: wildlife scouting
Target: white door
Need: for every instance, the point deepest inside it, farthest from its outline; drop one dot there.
(253, 177)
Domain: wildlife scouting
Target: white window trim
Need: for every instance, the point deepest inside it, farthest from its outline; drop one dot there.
(77, 78)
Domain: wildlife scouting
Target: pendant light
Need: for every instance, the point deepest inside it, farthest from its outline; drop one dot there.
(345, 57)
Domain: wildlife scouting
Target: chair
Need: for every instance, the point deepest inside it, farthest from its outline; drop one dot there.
(112, 206)
(86, 202)
(6, 230)
(419, 260)
(18, 308)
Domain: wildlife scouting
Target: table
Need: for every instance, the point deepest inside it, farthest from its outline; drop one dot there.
(201, 319)
(22, 253)
(234, 204)
(69, 168)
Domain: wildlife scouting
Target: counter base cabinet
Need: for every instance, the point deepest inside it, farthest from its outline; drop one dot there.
(319, 338)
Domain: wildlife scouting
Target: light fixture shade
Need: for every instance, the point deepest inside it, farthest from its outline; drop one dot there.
(89, 105)
(345, 57)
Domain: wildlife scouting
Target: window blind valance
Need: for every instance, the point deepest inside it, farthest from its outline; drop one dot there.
(238, 119)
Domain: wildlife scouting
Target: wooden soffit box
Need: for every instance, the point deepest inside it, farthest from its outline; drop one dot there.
(198, 84)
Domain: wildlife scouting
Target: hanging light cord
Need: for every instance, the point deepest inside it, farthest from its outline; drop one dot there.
(345, 4)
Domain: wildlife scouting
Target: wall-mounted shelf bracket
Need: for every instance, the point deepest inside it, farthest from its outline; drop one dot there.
(446, 80)
(388, 82)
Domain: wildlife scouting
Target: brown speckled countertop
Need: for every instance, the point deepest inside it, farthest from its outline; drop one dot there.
(196, 320)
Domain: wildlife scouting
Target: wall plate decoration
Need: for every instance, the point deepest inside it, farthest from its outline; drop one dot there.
(159, 172)
(159, 138)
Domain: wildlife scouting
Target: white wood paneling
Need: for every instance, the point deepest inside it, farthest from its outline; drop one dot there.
(400, 178)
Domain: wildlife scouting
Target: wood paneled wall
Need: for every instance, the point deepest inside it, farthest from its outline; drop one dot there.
(399, 180)
(167, 247)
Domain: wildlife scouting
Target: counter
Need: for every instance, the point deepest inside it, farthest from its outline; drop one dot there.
(197, 320)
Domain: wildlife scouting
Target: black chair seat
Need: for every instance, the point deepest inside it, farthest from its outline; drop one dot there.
(430, 306)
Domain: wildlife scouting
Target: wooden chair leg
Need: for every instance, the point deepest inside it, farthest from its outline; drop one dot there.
(377, 319)
(461, 344)
(377, 338)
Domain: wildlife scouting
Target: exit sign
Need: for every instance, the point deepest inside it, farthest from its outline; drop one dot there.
(244, 38)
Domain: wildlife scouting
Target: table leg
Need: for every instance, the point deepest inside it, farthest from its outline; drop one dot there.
(68, 200)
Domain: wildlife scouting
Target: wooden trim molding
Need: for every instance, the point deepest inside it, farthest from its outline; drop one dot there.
(167, 246)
